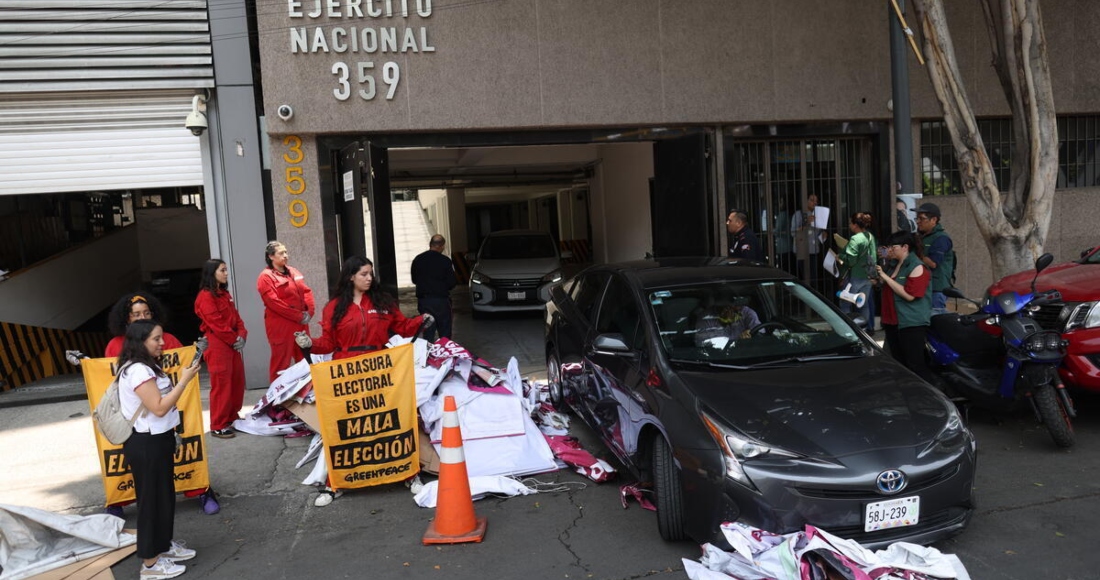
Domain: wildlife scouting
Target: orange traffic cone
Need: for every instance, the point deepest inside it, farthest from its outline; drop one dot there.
(455, 521)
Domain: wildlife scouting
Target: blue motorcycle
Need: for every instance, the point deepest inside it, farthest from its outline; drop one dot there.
(1000, 356)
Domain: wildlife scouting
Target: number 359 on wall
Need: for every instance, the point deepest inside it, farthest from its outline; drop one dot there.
(295, 182)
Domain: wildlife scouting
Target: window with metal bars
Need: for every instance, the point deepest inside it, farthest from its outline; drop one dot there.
(939, 169)
(1078, 140)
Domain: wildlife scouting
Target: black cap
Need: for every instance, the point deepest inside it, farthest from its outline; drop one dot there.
(931, 209)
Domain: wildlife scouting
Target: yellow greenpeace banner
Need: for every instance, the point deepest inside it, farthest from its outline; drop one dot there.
(191, 467)
(367, 409)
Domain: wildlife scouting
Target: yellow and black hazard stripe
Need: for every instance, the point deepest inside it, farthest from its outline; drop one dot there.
(580, 248)
(30, 353)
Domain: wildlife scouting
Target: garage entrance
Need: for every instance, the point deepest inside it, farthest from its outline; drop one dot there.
(604, 196)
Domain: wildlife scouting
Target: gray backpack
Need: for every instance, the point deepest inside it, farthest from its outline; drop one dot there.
(109, 419)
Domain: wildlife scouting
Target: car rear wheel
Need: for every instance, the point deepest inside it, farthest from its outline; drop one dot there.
(666, 485)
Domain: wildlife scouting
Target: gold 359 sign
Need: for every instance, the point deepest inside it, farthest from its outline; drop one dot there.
(295, 182)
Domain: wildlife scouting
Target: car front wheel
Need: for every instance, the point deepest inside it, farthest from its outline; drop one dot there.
(553, 380)
(666, 485)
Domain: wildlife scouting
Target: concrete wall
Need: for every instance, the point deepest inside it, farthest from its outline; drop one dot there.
(302, 232)
(576, 63)
(620, 202)
(171, 238)
(99, 272)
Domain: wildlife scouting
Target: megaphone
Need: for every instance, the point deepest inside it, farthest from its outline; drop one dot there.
(847, 294)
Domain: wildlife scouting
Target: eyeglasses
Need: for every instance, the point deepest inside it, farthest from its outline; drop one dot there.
(923, 218)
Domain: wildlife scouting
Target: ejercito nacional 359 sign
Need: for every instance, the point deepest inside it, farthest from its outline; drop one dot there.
(364, 36)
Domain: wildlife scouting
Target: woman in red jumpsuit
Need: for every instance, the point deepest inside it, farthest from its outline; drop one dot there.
(359, 318)
(288, 306)
(224, 330)
(131, 307)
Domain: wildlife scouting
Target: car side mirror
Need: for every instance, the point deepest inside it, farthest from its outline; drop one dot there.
(612, 344)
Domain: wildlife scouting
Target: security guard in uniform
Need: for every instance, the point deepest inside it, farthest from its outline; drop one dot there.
(743, 243)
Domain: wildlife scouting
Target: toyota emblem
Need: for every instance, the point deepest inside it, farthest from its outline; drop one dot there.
(891, 481)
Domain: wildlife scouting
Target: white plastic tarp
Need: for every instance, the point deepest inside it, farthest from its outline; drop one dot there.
(33, 541)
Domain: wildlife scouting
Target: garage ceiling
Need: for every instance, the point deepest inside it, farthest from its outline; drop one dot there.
(484, 172)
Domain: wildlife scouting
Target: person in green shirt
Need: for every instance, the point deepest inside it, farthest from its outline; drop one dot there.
(906, 303)
(858, 259)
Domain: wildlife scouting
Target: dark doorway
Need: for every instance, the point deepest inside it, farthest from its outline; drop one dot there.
(679, 200)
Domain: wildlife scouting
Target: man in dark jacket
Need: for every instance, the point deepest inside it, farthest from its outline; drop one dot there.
(434, 276)
(939, 254)
(743, 243)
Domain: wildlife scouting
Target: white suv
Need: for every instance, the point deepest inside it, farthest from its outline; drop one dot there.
(513, 271)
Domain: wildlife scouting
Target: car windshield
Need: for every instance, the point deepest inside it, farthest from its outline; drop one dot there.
(749, 323)
(517, 247)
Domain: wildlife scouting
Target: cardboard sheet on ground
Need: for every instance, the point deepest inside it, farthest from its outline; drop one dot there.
(34, 541)
(192, 471)
(367, 413)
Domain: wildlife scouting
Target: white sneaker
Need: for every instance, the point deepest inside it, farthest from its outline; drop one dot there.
(178, 552)
(414, 484)
(163, 568)
(326, 497)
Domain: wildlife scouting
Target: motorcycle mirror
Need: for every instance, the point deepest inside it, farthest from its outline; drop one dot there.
(1043, 261)
(953, 293)
(1041, 265)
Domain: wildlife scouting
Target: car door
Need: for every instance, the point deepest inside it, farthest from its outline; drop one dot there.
(571, 329)
(615, 359)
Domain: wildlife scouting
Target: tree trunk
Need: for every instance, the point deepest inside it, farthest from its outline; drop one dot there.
(1013, 218)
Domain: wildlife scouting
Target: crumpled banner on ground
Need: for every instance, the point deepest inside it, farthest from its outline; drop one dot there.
(814, 554)
(286, 386)
(569, 450)
(34, 541)
(480, 486)
(264, 425)
(638, 493)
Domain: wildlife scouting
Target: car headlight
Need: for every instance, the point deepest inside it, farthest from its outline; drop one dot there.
(554, 276)
(736, 448)
(479, 278)
(1084, 315)
(952, 433)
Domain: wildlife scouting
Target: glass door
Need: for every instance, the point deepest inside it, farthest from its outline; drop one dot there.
(797, 194)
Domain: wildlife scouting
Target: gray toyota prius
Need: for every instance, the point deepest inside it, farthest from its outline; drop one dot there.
(736, 393)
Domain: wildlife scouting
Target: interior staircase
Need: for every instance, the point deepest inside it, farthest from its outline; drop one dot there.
(411, 233)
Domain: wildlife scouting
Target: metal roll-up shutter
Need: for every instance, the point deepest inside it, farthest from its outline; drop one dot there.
(62, 142)
(81, 45)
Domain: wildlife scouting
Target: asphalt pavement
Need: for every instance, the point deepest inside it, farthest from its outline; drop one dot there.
(1037, 505)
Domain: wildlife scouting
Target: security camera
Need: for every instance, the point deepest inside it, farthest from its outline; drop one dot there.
(196, 119)
(285, 112)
